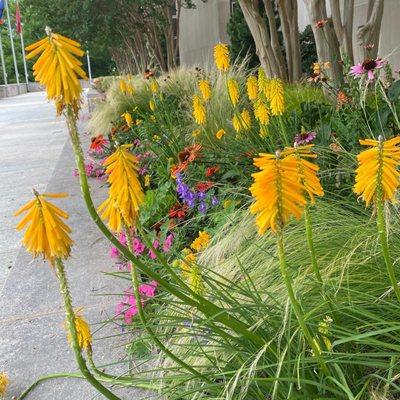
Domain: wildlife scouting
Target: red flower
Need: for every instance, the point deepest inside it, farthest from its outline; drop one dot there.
(176, 169)
(98, 143)
(178, 211)
(210, 171)
(204, 186)
(148, 74)
(321, 23)
(189, 153)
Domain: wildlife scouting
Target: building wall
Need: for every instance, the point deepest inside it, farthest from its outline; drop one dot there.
(200, 29)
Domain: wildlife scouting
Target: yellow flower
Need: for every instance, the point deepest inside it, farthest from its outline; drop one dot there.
(307, 170)
(275, 96)
(252, 88)
(4, 381)
(154, 86)
(196, 132)
(201, 242)
(219, 134)
(125, 194)
(241, 121)
(46, 234)
(221, 56)
(129, 88)
(277, 190)
(58, 68)
(156, 138)
(199, 110)
(205, 89)
(233, 91)
(122, 85)
(377, 171)
(83, 332)
(261, 111)
(262, 80)
(188, 259)
(138, 122)
(152, 105)
(227, 203)
(147, 180)
(128, 118)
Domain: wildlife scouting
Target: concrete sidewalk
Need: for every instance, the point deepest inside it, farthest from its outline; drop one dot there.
(35, 152)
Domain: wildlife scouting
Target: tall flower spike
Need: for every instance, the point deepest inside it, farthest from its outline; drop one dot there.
(125, 194)
(205, 89)
(274, 93)
(261, 111)
(58, 68)
(221, 56)
(46, 232)
(252, 88)
(277, 190)
(199, 110)
(233, 91)
(4, 381)
(83, 332)
(377, 170)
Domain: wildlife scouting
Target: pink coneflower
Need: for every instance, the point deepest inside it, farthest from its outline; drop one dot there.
(304, 137)
(367, 67)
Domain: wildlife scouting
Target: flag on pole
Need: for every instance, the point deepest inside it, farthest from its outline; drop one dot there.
(1, 12)
(18, 25)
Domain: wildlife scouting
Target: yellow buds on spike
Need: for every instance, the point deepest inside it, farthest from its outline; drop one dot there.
(128, 118)
(205, 89)
(252, 88)
(83, 332)
(201, 242)
(221, 56)
(233, 91)
(199, 110)
(154, 87)
(46, 232)
(4, 381)
(220, 133)
(377, 171)
(58, 68)
(125, 194)
(241, 121)
(275, 95)
(152, 105)
(261, 111)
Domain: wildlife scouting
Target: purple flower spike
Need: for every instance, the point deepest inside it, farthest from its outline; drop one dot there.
(214, 201)
(203, 208)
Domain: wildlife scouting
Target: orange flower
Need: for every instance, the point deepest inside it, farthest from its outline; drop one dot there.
(190, 153)
(210, 171)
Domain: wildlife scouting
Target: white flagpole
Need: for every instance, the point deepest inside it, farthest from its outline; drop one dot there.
(3, 64)
(24, 58)
(12, 43)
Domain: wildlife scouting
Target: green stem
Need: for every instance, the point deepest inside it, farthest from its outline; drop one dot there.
(152, 334)
(381, 223)
(69, 312)
(310, 243)
(206, 307)
(295, 304)
(48, 377)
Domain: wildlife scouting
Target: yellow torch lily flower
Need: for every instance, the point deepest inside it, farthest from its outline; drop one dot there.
(4, 381)
(125, 194)
(201, 242)
(83, 332)
(275, 95)
(152, 105)
(261, 111)
(220, 133)
(377, 170)
(252, 88)
(58, 68)
(233, 91)
(278, 191)
(154, 86)
(128, 118)
(221, 56)
(122, 85)
(46, 233)
(199, 110)
(205, 89)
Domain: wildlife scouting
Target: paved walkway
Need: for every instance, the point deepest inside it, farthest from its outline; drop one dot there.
(35, 152)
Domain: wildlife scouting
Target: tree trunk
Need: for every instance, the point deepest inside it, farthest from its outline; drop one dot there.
(261, 37)
(368, 34)
(344, 27)
(325, 39)
(288, 15)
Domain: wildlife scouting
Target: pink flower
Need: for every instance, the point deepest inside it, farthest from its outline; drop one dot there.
(114, 252)
(122, 239)
(89, 168)
(305, 137)
(142, 170)
(138, 246)
(75, 172)
(151, 254)
(367, 67)
(168, 243)
(148, 289)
